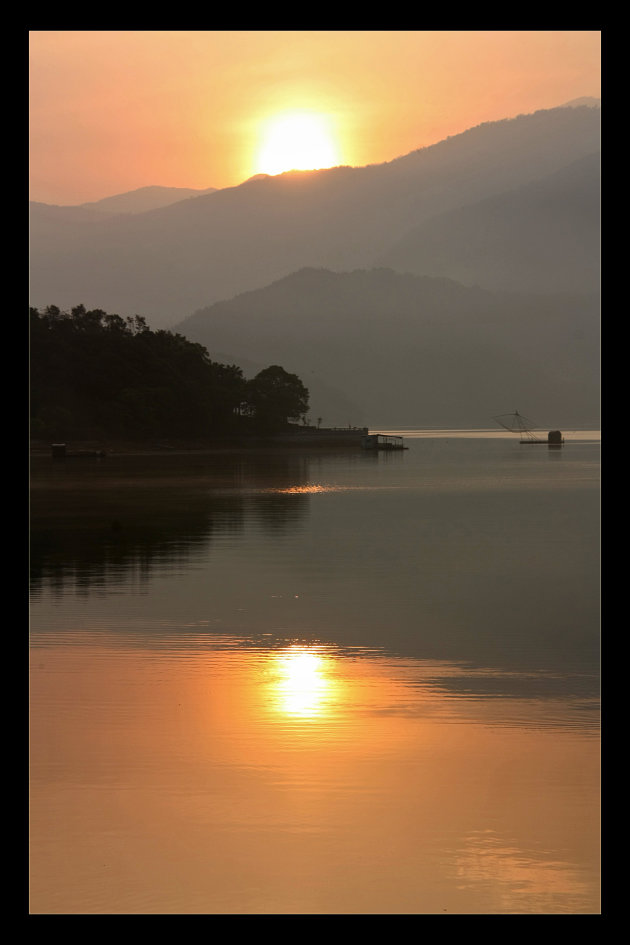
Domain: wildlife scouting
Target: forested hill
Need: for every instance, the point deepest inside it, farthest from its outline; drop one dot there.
(413, 350)
(96, 375)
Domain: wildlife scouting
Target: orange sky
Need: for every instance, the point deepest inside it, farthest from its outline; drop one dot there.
(111, 111)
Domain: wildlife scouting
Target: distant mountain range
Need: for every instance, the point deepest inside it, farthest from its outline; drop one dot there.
(587, 100)
(167, 262)
(543, 235)
(145, 198)
(320, 271)
(383, 348)
(134, 201)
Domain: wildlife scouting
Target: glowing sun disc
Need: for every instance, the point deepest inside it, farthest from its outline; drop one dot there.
(297, 141)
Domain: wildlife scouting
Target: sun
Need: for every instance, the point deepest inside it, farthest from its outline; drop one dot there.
(297, 141)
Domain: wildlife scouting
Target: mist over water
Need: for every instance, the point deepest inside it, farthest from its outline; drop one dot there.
(325, 682)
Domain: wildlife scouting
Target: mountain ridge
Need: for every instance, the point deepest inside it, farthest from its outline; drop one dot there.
(172, 260)
(555, 246)
(416, 350)
(143, 199)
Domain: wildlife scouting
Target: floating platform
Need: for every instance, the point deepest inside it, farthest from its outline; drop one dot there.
(382, 441)
(517, 423)
(554, 440)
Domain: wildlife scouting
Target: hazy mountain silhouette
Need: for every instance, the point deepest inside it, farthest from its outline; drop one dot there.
(170, 261)
(48, 214)
(416, 350)
(587, 100)
(545, 234)
(145, 198)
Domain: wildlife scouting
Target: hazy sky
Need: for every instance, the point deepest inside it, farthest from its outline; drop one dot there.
(111, 111)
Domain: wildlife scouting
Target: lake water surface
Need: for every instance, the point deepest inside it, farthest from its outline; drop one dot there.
(317, 683)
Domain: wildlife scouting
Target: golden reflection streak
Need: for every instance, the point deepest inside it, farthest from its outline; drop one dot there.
(517, 874)
(306, 490)
(302, 684)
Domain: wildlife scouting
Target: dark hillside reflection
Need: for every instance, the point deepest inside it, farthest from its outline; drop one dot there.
(316, 683)
(94, 521)
(470, 551)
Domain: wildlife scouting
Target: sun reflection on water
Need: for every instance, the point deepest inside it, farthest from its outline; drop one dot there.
(309, 489)
(303, 685)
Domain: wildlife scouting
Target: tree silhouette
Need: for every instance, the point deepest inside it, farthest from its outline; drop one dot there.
(94, 374)
(275, 397)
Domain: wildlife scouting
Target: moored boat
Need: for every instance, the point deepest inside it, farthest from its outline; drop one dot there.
(517, 423)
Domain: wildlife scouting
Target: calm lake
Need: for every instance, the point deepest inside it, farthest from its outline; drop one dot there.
(317, 682)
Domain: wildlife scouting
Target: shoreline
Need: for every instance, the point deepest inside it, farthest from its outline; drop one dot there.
(308, 439)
